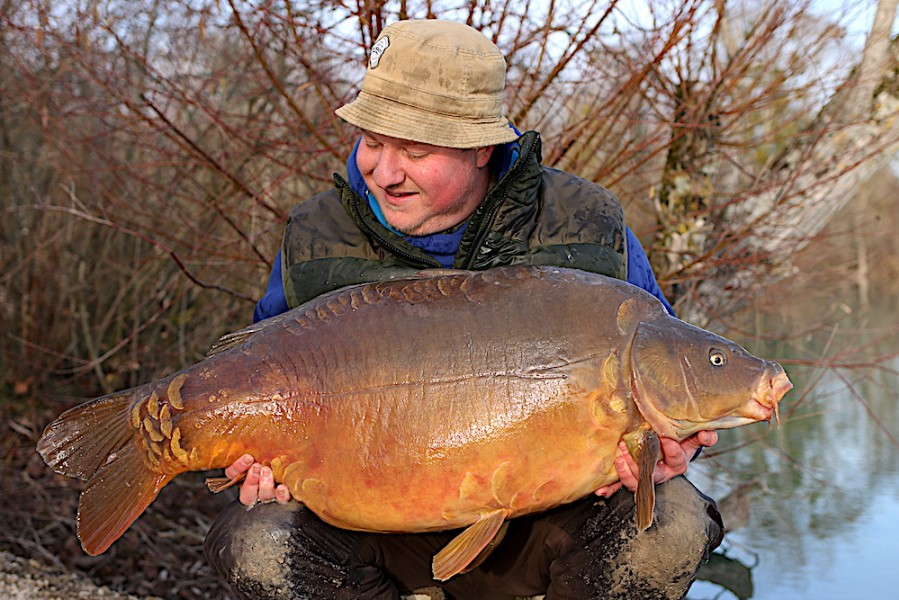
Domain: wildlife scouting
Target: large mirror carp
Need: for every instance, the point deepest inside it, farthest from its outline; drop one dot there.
(448, 400)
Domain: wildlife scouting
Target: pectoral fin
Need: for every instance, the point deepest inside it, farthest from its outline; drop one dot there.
(645, 448)
(468, 545)
(220, 484)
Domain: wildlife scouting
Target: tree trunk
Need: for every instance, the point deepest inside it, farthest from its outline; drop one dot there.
(854, 136)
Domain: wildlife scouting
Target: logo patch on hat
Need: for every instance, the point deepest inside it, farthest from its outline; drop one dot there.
(376, 51)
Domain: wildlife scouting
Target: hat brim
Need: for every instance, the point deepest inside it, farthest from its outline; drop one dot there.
(402, 121)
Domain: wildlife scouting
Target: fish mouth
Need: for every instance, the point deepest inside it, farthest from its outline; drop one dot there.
(768, 394)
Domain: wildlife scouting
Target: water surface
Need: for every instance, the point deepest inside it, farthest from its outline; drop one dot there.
(823, 490)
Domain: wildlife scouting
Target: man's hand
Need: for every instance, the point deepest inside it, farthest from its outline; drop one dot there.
(259, 485)
(675, 458)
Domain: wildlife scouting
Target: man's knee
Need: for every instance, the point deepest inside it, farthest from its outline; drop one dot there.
(283, 551)
(662, 561)
(614, 560)
(688, 517)
(249, 548)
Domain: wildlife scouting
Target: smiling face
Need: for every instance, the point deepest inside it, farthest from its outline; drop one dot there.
(423, 189)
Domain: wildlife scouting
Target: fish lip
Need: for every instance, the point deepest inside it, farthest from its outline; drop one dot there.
(760, 408)
(769, 393)
(780, 385)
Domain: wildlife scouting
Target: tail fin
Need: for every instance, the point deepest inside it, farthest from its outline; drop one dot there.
(115, 497)
(82, 439)
(96, 442)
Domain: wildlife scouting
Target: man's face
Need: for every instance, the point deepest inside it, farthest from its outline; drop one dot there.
(420, 188)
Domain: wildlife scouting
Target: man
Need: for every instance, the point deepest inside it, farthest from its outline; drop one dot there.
(441, 179)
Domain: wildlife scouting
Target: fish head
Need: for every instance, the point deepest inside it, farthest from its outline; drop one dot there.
(686, 379)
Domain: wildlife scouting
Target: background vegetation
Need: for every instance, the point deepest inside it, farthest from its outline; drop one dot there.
(151, 149)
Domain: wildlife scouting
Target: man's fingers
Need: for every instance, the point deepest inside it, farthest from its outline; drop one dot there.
(673, 463)
(239, 466)
(266, 485)
(701, 439)
(607, 490)
(627, 469)
(282, 494)
(259, 486)
(249, 491)
(691, 445)
(675, 459)
(673, 455)
(707, 438)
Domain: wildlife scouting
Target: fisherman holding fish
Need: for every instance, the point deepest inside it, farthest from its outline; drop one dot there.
(441, 179)
(400, 428)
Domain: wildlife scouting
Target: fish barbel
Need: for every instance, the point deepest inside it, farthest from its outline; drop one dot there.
(443, 401)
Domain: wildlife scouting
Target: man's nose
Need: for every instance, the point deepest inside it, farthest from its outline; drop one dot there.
(388, 171)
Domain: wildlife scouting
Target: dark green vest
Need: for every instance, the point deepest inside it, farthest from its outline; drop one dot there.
(534, 215)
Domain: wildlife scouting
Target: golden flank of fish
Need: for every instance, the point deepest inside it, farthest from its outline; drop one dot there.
(444, 401)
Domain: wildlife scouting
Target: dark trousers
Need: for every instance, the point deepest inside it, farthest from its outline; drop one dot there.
(587, 549)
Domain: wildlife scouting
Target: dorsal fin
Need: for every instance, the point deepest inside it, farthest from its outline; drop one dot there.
(236, 338)
(438, 272)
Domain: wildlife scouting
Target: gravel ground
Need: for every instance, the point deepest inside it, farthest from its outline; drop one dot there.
(25, 579)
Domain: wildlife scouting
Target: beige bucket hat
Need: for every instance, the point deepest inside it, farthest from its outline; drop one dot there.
(435, 82)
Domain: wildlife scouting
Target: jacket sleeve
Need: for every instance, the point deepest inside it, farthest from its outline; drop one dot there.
(273, 302)
(639, 271)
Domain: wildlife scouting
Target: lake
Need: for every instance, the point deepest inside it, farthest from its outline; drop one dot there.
(822, 492)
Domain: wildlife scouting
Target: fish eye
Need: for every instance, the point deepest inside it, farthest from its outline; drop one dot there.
(717, 358)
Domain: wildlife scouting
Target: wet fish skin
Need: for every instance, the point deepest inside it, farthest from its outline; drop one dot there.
(452, 400)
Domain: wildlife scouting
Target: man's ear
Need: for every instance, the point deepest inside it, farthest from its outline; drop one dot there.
(483, 155)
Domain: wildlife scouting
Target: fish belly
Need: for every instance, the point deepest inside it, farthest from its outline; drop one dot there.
(412, 473)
